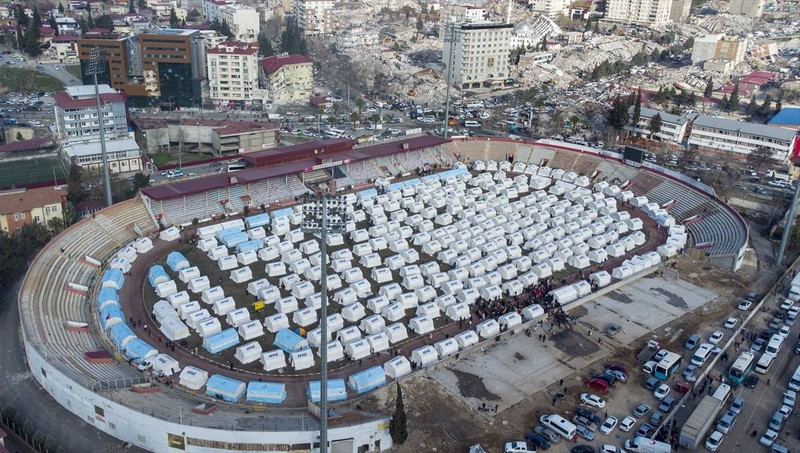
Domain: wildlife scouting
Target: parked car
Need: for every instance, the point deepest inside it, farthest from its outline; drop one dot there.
(745, 305)
(644, 430)
(714, 440)
(775, 323)
(666, 404)
(692, 341)
(776, 422)
(609, 425)
(619, 375)
(597, 384)
(655, 418)
(584, 432)
(787, 304)
(736, 405)
(610, 380)
(730, 323)
(548, 434)
(584, 412)
(758, 344)
(641, 410)
(518, 447)
(661, 392)
(627, 423)
(789, 397)
(750, 381)
(593, 400)
(613, 330)
(652, 383)
(716, 337)
(538, 441)
(689, 372)
(649, 366)
(617, 367)
(661, 354)
(768, 438)
(583, 421)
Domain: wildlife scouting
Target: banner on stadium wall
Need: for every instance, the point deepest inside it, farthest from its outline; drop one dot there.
(327, 165)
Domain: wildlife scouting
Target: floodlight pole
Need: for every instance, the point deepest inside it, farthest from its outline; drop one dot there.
(94, 69)
(788, 225)
(314, 224)
(449, 37)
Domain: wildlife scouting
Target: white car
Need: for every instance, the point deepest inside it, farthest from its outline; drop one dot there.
(627, 424)
(713, 441)
(517, 447)
(593, 400)
(607, 448)
(787, 304)
(784, 331)
(794, 311)
(661, 392)
(745, 305)
(609, 425)
(731, 323)
(716, 337)
(789, 397)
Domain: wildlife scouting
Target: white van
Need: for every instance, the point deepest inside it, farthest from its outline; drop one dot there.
(764, 362)
(722, 393)
(775, 344)
(560, 425)
(472, 123)
(702, 353)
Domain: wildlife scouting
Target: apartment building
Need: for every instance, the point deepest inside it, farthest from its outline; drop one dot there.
(67, 26)
(123, 155)
(747, 8)
(314, 17)
(644, 12)
(287, 77)
(680, 10)
(673, 127)
(19, 207)
(712, 134)
(355, 38)
(479, 54)
(716, 52)
(550, 8)
(242, 20)
(76, 113)
(232, 74)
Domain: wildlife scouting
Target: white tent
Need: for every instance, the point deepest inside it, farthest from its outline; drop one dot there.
(286, 304)
(186, 309)
(217, 252)
(251, 330)
(164, 365)
(397, 332)
(528, 279)
(270, 294)
(194, 319)
(242, 275)
(359, 235)
(178, 299)
(491, 292)
(667, 250)
(166, 288)
(334, 239)
(238, 317)
(206, 244)
(598, 256)
(348, 335)
(580, 262)
(421, 324)
(467, 339)
(185, 275)
(397, 367)
(446, 348)
(362, 249)
(269, 253)
(408, 300)
(357, 350)
(276, 322)
(622, 272)
(582, 288)
(120, 263)
(377, 304)
(276, 269)
(373, 324)
(394, 262)
(507, 271)
(488, 329)
(173, 328)
(532, 312)
(256, 285)
(564, 295)
(209, 327)
(193, 378)
(425, 293)
(429, 309)
(314, 337)
(600, 279)
(335, 322)
(200, 284)
(227, 263)
(413, 281)
(273, 360)
(452, 286)
(162, 309)
(410, 256)
(513, 288)
(335, 351)
(458, 311)
(378, 244)
(615, 250)
(248, 352)
(438, 279)
(381, 275)
(168, 235)
(424, 357)
(345, 296)
(302, 290)
(353, 275)
(378, 342)
(467, 295)
(305, 317)
(510, 320)
(542, 270)
(302, 360)
(224, 306)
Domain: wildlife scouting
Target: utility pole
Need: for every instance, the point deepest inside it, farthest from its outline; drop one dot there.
(94, 67)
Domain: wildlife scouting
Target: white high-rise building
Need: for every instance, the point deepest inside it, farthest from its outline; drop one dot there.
(76, 113)
(314, 17)
(550, 8)
(479, 54)
(232, 73)
(242, 20)
(653, 13)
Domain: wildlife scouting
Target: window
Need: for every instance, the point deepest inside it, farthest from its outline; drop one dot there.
(99, 411)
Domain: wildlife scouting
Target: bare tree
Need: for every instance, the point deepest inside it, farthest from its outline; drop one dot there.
(760, 156)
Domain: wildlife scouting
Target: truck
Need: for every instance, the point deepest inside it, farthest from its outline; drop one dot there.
(702, 419)
(645, 445)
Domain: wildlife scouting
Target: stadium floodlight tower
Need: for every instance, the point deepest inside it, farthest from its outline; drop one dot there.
(94, 67)
(788, 225)
(324, 213)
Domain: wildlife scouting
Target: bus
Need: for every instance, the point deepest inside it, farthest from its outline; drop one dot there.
(667, 366)
(741, 366)
(764, 363)
(235, 167)
(333, 133)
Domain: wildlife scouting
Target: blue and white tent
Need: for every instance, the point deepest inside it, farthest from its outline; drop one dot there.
(253, 244)
(266, 392)
(139, 350)
(157, 275)
(336, 390)
(290, 341)
(121, 335)
(111, 315)
(113, 278)
(228, 338)
(257, 220)
(225, 388)
(227, 232)
(107, 297)
(232, 240)
(282, 213)
(177, 262)
(365, 194)
(366, 380)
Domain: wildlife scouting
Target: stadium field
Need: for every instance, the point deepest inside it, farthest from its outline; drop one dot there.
(20, 172)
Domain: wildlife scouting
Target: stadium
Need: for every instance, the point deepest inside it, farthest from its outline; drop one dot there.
(212, 282)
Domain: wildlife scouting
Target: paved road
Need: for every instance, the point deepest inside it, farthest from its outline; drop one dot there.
(23, 393)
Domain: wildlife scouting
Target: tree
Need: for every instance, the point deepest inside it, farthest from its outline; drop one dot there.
(104, 21)
(131, 7)
(779, 101)
(766, 107)
(174, 22)
(84, 26)
(637, 108)
(618, 115)
(655, 125)
(735, 98)
(90, 20)
(397, 427)
(752, 107)
(53, 24)
(36, 21)
(265, 46)
(55, 225)
(61, 8)
(360, 106)
(760, 156)
(709, 88)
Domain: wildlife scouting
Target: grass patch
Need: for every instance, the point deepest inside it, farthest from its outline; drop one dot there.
(40, 169)
(26, 80)
(163, 158)
(75, 70)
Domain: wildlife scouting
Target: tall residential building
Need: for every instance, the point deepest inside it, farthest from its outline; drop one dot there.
(748, 8)
(680, 10)
(114, 62)
(314, 17)
(242, 20)
(550, 8)
(232, 74)
(645, 12)
(739, 139)
(19, 207)
(718, 47)
(479, 54)
(76, 113)
(287, 77)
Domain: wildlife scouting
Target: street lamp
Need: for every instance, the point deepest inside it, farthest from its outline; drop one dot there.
(324, 213)
(94, 67)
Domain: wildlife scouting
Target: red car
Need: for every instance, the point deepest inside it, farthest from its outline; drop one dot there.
(617, 367)
(597, 384)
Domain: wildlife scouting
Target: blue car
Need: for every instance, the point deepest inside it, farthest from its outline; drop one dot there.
(584, 432)
(688, 373)
(692, 341)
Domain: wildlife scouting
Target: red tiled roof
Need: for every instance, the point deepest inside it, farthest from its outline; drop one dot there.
(27, 145)
(99, 30)
(233, 48)
(66, 38)
(23, 201)
(758, 77)
(272, 64)
(63, 100)
(318, 100)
